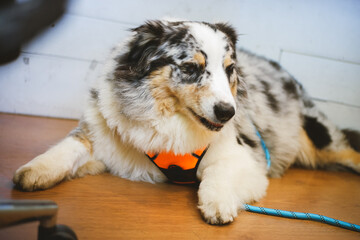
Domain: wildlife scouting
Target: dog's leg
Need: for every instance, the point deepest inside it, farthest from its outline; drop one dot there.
(228, 182)
(72, 157)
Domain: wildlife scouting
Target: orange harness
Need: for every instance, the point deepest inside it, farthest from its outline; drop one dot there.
(179, 169)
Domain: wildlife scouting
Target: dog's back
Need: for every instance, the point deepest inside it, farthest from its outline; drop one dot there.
(292, 126)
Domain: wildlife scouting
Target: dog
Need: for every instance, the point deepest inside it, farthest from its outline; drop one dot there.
(174, 87)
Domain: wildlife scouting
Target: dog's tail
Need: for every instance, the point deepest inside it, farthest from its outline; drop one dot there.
(323, 145)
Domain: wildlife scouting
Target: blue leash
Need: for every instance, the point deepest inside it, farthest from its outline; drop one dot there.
(302, 216)
(266, 150)
(296, 215)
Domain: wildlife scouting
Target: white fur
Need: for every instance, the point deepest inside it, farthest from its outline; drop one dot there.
(211, 43)
(229, 178)
(59, 162)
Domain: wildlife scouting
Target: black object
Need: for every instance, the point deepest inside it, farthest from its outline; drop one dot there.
(13, 212)
(19, 22)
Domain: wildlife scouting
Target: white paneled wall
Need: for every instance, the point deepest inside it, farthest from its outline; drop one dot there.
(318, 41)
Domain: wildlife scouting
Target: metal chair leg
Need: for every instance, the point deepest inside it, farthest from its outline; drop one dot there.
(13, 212)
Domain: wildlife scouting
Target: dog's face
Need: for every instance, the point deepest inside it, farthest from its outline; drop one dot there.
(186, 67)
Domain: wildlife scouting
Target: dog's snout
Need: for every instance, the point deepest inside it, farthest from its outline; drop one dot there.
(224, 111)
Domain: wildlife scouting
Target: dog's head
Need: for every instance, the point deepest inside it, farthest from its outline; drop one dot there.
(185, 67)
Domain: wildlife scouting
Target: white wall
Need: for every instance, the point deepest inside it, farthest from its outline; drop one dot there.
(317, 41)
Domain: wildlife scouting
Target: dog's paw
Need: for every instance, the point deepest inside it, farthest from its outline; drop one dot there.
(217, 215)
(218, 210)
(38, 175)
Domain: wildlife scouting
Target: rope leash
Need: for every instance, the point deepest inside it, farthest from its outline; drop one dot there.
(303, 216)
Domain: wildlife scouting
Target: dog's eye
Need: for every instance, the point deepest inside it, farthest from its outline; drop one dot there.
(192, 72)
(229, 70)
(189, 68)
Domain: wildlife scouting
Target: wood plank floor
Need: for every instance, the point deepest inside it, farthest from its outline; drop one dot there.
(108, 207)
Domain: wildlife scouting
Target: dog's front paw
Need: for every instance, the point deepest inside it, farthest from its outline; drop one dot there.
(37, 175)
(216, 214)
(218, 209)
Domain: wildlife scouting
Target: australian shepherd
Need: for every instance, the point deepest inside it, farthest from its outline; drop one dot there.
(175, 87)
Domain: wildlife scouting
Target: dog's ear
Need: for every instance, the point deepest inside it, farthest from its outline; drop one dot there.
(146, 40)
(135, 63)
(228, 30)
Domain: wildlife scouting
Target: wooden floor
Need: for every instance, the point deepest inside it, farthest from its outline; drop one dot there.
(108, 207)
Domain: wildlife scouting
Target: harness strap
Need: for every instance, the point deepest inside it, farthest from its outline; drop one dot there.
(181, 168)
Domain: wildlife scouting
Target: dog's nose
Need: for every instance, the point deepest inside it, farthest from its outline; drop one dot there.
(224, 111)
